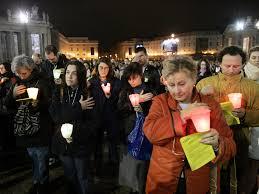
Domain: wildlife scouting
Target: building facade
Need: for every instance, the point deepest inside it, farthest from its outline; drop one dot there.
(244, 33)
(78, 47)
(19, 35)
(204, 42)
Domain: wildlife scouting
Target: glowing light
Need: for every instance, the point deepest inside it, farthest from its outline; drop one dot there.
(33, 93)
(107, 88)
(24, 17)
(66, 130)
(134, 99)
(257, 25)
(240, 25)
(201, 120)
(235, 99)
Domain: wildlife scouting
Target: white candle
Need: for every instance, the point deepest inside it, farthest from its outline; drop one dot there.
(33, 93)
(66, 130)
(235, 99)
(56, 73)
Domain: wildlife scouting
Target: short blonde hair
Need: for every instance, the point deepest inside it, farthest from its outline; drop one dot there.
(177, 64)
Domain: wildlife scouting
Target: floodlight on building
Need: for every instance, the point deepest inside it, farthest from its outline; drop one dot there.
(24, 17)
(172, 35)
(177, 40)
(240, 25)
(257, 24)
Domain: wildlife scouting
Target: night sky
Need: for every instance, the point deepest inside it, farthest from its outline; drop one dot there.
(111, 20)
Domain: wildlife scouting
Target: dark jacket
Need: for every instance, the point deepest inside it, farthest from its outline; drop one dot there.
(152, 79)
(105, 107)
(40, 138)
(84, 122)
(47, 67)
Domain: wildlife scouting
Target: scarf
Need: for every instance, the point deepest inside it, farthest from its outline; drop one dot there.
(251, 71)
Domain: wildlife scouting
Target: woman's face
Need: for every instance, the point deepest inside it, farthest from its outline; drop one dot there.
(2, 69)
(180, 86)
(135, 80)
(103, 70)
(71, 76)
(254, 58)
(203, 66)
(23, 73)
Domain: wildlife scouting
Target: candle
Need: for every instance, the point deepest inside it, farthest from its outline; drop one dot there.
(66, 130)
(134, 99)
(235, 99)
(107, 88)
(56, 73)
(201, 120)
(33, 93)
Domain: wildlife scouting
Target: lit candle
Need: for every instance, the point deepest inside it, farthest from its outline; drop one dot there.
(107, 88)
(235, 99)
(134, 99)
(56, 73)
(33, 93)
(201, 120)
(66, 130)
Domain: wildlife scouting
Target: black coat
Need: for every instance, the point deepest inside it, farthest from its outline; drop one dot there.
(42, 137)
(85, 123)
(152, 79)
(106, 107)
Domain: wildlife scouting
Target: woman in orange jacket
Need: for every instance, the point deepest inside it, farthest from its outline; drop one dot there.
(169, 120)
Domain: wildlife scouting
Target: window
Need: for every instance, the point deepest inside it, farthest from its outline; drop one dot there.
(246, 42)
(16, 46)
(92, 50)
(35, 43)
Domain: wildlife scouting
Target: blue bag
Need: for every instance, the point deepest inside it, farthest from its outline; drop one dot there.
(138, 145)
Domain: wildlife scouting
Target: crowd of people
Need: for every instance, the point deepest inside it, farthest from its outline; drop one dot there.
(144, 107)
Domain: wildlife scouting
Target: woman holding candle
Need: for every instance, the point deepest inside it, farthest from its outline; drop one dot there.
(105, 89)
(74, 142)
(169, 120)
(129, 110)
(37, 144)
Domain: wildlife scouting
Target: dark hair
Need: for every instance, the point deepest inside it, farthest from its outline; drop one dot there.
(133, 68)
(81, 75)
(233, 51)
(107, 61)
(206, 63)
(7, 66)
(140, 49)
(253, 49)
(51, 48)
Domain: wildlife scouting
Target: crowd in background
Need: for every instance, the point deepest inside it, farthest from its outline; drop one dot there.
(93, 97)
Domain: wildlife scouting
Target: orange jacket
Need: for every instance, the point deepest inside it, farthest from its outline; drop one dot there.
(164, 128)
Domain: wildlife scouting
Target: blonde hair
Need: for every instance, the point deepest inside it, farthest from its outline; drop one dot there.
(178, 64)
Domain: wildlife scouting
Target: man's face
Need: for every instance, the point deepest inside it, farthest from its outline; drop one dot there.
(231, 65)
(51, 57)
(141, 58)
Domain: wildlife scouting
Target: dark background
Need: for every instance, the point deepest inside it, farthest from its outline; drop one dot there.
(112, 20)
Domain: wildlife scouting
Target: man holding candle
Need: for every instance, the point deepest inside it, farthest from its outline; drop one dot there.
(230, 80)
(169, 119)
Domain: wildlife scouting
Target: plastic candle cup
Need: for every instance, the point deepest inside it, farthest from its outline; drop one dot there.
(201, 120)
(56, 73)
(33, 93)
(235, 99)
(107, 88)
(134, 99)
(66, 130)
